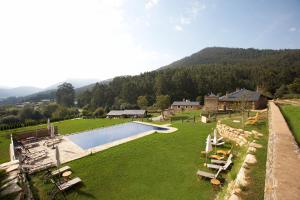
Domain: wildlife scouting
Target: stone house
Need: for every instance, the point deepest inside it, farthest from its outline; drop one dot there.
(250, 99)
(185, 105)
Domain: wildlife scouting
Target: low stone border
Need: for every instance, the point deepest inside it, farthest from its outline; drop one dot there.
(241, 138)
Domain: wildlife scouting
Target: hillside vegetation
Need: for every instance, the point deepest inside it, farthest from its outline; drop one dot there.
(216, 70)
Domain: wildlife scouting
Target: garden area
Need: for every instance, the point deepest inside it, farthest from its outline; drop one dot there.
(158, 166)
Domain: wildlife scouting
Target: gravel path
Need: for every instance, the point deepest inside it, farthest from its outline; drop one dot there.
(283, 162)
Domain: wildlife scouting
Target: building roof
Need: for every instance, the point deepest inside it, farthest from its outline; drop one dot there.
(126, 112)
(243, 94)
(185, 103)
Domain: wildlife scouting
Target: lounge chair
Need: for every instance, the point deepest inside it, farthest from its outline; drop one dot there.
(218, 140)
(60, 170)
(52, 142)
(218, 144)
(33, 159)
(31, 145)
(222, 167)
(224, 152)
(208, 174)
(30, 169)
(214, 161)
(61, 187)
(49, 174)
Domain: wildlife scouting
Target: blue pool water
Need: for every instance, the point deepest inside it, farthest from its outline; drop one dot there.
(96, 137)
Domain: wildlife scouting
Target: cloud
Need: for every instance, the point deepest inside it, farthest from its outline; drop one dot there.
(189, 14)
(150, 4)
(178, 28)
(292, 29)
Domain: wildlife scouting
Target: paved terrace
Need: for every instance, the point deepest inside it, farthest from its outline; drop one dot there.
(283, 162)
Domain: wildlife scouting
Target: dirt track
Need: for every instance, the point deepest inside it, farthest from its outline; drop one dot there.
(283, 164)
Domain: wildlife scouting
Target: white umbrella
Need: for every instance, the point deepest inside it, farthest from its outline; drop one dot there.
(208, 147)
(57, 156)
(48, 124)
(215, 137)
(52, 135)
(215, 141)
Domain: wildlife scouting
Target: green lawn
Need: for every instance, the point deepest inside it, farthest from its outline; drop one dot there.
(158, 166)
(292, 116)
(64, 127)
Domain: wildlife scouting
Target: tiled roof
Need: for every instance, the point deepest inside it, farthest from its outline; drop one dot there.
(185, 103)
(243, 94)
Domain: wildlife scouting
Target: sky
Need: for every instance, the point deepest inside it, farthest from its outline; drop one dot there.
(45, 42)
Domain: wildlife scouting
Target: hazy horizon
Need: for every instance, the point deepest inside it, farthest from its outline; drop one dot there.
(46, 42)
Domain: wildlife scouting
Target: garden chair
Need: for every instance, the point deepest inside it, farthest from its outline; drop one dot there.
(30, 169)
(29, 159)
(62, 187)
(49, 174)
(204, 174)
(218, 167)
(214, 161)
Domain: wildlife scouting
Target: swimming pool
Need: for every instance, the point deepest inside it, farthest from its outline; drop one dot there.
(101, 136)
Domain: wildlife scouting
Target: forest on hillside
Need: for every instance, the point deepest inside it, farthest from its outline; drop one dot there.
(216, 70)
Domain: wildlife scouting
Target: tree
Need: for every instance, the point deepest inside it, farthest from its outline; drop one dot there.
(295, 86)
(281, 91)
(142, 102)
(26, 112)
(199, 99)
(162, 102)
(84, 98)
(99, 112)
(65, 94)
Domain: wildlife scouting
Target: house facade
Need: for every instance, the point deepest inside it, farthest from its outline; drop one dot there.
(243, 97)
(185, 105)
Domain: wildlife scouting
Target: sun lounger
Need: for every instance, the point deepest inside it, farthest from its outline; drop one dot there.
(52, 142)
(68, 184)
(50, 174)
(225, 167)
(224, 152)
(61, 187)
(208, 174)
(219, 139)
(33, 158)
(31, 145)
(214, 161)
(30, 169)
(60, 170)
(218, 144)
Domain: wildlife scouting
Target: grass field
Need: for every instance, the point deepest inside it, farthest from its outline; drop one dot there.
(158, 166)
(255, 190)
(292, 115)
(64, 127)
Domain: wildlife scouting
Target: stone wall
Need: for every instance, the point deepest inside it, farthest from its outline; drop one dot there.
(237, 135)
(241, 138)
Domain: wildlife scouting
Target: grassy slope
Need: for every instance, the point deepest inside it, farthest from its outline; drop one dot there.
(64, 127)
(292, 116)
(255, 190)
(159, 166)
